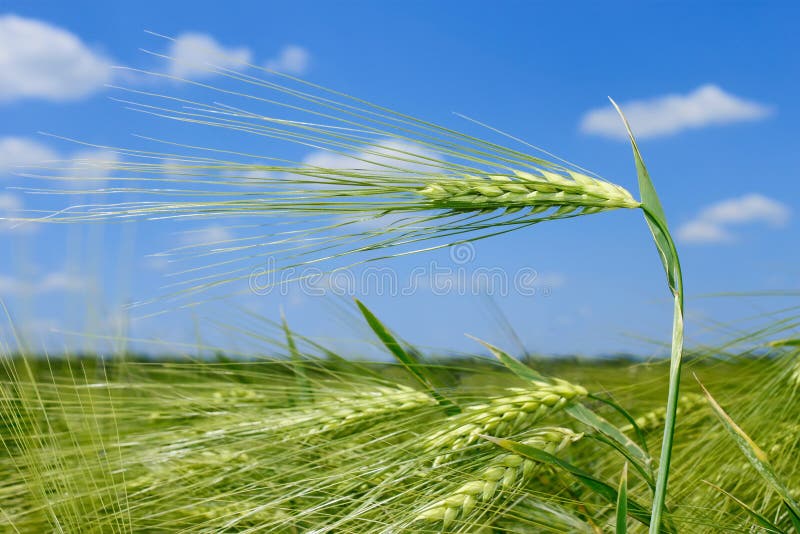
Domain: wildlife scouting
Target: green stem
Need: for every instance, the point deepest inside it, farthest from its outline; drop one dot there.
(676, 359)
(669, 423)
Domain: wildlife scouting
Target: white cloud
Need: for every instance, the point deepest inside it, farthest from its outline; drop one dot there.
(91, 167)
(9, 202)
(11, 210)
(82, 168)
(210, 235)
(713, 224)
(700, 231)
(400, 155)
(40, 60)
(249, 170)
(292, 59)
(53, 282)
(748, 208)
(329, 160)
(61, 282)
(549, 280)
(194, 55)
(16, 152)
(155, 263)
(665, 115)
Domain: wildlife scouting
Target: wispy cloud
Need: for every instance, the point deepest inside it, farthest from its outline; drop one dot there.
(82, 169)
(91, 167)
(155, 263)
(292, 59)
(16, 152)
(707, 105)
(714, 223)
(210, 235)
(11, 213)
(194, 55)
(10, 210)
(52, 282)
(387, 154)
(10, 202)
(40, 60)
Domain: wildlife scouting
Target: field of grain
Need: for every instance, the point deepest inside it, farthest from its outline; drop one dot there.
(308, 441)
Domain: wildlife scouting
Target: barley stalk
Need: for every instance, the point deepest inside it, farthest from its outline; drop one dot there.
(504, 473)
(502, 416)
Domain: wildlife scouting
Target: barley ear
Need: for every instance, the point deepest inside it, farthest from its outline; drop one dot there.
(504, 473)
(505, 415)
(566, 193)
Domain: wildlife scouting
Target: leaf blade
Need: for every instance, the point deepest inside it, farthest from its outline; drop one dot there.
(409, 361)
(618, 439)
(512, 364)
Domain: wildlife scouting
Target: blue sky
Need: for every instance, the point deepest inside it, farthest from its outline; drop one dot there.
(711, 90)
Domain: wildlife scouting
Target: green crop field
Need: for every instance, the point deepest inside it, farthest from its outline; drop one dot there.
(310, 441)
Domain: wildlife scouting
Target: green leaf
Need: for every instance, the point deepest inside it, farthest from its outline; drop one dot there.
(654, 213)
(757, 457)
(642, 440)
(646, 189)
(622, 501)
(604, 490)
(409, 361)
(512, 364)
(616, 438)
(760, 519)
